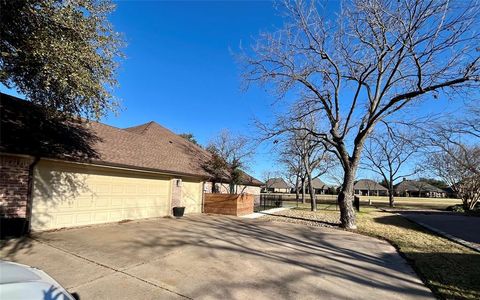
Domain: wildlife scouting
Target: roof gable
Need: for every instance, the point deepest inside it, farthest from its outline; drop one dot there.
(317, 183)
(277, 183)
(416, 186)
(27, 129)
(367, 184)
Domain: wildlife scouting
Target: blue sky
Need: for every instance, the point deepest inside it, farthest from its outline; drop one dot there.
(179, 69)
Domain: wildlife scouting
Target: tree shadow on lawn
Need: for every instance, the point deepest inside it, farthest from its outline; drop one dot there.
(450, 269)
(311, 252)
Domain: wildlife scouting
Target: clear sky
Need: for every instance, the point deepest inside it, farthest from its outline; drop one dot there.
(180, 70)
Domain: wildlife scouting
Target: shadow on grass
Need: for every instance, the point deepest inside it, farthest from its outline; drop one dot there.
(449, 269)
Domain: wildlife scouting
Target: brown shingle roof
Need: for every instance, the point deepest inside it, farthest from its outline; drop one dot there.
(367, 184)
(27, 129)
(317, 183)
(416, 186)
(277, 183)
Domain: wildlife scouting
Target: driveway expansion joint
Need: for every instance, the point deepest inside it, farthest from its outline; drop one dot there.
(110, 268)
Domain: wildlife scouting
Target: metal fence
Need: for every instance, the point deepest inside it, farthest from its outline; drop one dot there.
(268, 201)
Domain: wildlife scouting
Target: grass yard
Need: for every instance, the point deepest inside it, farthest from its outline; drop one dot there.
(450, 270)
(412, 202)
(400, 202)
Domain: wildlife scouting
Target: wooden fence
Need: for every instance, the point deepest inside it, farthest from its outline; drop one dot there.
(228, 204)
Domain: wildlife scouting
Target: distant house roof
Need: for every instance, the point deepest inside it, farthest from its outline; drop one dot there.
(416, 186)
(317, 183)
(27, 129)
(367, 184)
(276, 183)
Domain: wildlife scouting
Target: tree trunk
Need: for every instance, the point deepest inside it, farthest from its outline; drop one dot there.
(297, 192)
(303, 190)
(391, 198)
(345, 200)
(391, 191)
(313, 202)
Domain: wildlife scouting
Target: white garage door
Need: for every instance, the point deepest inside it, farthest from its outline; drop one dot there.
(192, 196)
(66, 195)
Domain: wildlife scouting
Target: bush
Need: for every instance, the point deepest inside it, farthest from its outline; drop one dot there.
(456, 208)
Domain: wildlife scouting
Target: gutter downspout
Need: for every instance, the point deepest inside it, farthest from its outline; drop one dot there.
(28, 216)
(203, 197)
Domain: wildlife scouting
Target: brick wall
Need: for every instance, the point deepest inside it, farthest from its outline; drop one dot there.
(227, 204)
(14, 186)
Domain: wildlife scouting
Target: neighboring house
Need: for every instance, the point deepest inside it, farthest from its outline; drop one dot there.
(276, 185)
(451, 193)
(58, 174)
(319, 186)
(367, 187)
(416, 188)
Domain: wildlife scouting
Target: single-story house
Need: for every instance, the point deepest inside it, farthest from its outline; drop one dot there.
(276, 185)
(450, 192)
(64, 173)
(367, 187)
(319, 186)
(416, 188)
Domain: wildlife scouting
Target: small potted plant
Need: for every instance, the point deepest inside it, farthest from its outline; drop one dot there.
(178, 211)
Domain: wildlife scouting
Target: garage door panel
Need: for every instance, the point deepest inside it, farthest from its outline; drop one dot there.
(103, 202)
(84, 218)
(99, 196)
(115, 215)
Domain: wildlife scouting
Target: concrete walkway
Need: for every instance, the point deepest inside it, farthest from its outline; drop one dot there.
(216, 257)
(264, 212)
(463, 229)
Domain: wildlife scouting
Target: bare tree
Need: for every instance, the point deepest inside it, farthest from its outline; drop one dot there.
(454, 156)
(294, 171)
(230, 154)
(376, 58)
(459, 166)
(386, 153)
(307, 156)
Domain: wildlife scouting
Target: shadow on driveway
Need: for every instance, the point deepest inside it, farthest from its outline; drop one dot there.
(205, 256)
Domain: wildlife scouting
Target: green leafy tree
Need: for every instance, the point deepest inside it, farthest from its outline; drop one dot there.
(189, 137)
(60, 54)
(441, 184)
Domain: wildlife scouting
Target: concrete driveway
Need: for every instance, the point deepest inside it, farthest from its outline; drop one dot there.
(216, 257)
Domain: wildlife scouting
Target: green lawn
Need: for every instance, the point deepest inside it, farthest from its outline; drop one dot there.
(450, 270)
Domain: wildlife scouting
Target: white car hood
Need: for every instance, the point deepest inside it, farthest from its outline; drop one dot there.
(23, 282)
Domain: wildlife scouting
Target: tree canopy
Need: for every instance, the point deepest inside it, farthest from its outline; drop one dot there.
(364, 65)
(189, 137)
(60, 54)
